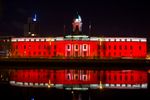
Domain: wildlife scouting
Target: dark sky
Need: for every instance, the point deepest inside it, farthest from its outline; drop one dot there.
(106, 17)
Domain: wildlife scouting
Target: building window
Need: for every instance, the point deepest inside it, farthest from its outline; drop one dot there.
(49, 47)
(68, 47)
(84, 47)
(29, 46)
(109, 54)
(76, 54)
(120, 53)
(120, 77)
(115, 47)
(68, 77)
(49, 52)
(68, 53)
(54, 46)
(139, 47)
(84, 77)
(39, 46)
(125, 47)
(98, 46)
(126, 77)
(132, 77)
(131, 47)
(76, 46)
(115, 77)
(120, 47)
(29, 53)
(114, 53)
(16, 46)
(54, 53)
(76, 77)
(44, 53)
(24, 46)
(44, 46)
(85, 54)
(109, 47)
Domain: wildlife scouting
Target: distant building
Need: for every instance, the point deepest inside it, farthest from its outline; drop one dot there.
(32, 28)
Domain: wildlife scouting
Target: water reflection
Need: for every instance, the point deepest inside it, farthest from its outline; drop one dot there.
(75, 79)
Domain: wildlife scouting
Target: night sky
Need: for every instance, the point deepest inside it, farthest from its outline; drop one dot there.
(124, 17)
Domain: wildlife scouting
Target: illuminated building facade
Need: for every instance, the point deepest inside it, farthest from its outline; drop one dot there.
(78, 46)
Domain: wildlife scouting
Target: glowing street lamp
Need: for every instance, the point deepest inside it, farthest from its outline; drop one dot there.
(100, 85)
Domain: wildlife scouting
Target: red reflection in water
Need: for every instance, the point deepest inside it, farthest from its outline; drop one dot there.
(80, 76)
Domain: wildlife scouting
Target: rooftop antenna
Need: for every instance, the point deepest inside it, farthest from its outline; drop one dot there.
(90, 26)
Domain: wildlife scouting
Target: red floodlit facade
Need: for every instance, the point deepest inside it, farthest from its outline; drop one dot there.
(79, 46)
(86, 78)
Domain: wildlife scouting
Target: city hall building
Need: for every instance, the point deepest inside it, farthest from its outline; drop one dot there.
(77, 45)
